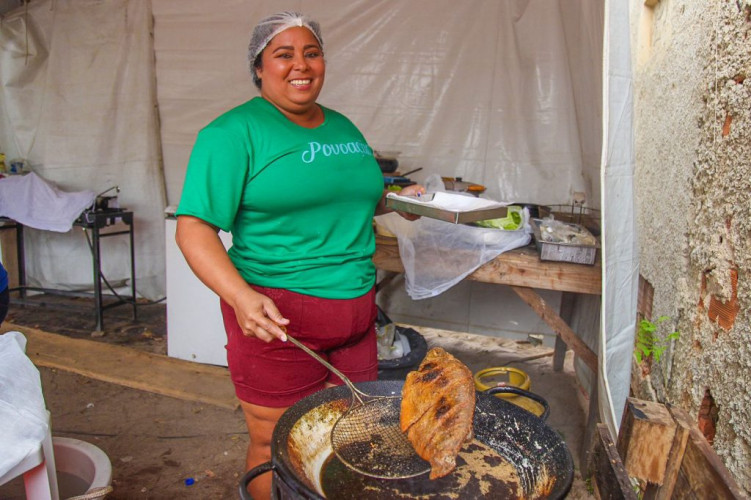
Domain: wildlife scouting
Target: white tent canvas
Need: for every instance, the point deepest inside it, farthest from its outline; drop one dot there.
(530, 98)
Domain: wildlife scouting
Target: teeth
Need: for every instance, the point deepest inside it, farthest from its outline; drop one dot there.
(300, 82)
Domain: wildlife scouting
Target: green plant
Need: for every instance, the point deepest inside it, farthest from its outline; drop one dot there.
(590, 487)
(649, 342)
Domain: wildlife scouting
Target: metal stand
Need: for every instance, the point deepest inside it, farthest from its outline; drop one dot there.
(94, 221)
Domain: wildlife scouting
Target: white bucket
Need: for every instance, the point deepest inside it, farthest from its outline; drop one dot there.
(83, 470)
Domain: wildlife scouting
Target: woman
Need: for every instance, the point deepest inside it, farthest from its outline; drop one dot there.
(297, 186)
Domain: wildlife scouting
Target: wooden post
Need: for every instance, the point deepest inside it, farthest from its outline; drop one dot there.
(590, 428)
(645, 439)
(568, 303)
(675, 458)
(610, 476)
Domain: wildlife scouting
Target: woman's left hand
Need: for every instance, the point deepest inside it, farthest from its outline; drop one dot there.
(412, 190)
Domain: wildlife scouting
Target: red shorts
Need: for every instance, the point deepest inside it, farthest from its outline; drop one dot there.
(278, 374)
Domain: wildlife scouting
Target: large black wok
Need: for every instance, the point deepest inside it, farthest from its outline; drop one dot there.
(301, 450)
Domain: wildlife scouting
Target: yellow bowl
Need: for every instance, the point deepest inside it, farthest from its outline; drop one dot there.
(490, 377)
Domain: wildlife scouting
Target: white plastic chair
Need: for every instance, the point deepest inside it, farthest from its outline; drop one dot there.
(25, 434)
(38, 470)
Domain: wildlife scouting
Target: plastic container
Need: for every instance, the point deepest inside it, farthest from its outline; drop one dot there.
(82, 469)
(16, 166)
(397, 369)
(490, 377)
(514, 377)
(564, 252)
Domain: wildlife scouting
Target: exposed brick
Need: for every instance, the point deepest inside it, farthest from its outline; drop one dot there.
(724, 313)
(707, 418)
(726, 125)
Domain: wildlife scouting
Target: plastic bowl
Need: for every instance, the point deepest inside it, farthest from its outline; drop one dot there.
(490, 377)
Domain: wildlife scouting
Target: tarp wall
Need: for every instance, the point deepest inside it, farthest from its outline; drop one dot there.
(78, 102)
(508, 94)
(619, 242)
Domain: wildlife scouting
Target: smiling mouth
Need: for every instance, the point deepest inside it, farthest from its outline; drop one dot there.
(300, 82)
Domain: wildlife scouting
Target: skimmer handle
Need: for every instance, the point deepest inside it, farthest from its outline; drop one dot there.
(355, 392)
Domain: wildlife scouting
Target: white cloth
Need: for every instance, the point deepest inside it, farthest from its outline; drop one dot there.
(37, 203)
(23, 414)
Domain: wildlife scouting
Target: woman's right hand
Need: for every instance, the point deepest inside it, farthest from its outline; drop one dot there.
(256, 313)
(259, 317)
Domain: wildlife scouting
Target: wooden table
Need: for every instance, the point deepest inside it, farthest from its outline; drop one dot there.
(524, 272)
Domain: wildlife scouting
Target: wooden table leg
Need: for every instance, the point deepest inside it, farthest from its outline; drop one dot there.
(569, 339)
(568, 303)
(388, 278)
(590, 428)
(560, 327)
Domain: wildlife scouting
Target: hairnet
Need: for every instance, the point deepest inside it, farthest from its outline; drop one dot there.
(274, 24)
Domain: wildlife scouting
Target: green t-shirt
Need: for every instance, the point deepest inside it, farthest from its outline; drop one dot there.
(299, 202)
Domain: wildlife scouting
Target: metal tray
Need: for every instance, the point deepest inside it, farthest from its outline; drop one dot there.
(564, 252)
(446, 215)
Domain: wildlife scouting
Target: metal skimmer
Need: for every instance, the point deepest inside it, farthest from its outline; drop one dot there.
(367, 437)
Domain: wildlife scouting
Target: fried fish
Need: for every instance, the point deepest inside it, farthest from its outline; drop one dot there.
(437, 409)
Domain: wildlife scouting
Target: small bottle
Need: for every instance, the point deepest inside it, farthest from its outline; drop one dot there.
(2, 163)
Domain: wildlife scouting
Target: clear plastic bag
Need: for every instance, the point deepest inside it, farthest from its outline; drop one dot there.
(437, 255)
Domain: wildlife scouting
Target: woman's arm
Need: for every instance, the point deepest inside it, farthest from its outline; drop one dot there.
(256, 314)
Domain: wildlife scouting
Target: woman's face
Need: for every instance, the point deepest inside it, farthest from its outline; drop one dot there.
(292, 71)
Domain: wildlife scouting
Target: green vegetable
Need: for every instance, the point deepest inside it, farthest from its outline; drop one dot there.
(511, 222)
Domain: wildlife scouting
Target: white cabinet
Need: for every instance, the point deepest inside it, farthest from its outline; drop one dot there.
(195, 331)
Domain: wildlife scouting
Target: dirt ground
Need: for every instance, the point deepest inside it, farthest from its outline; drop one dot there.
(156, 442)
